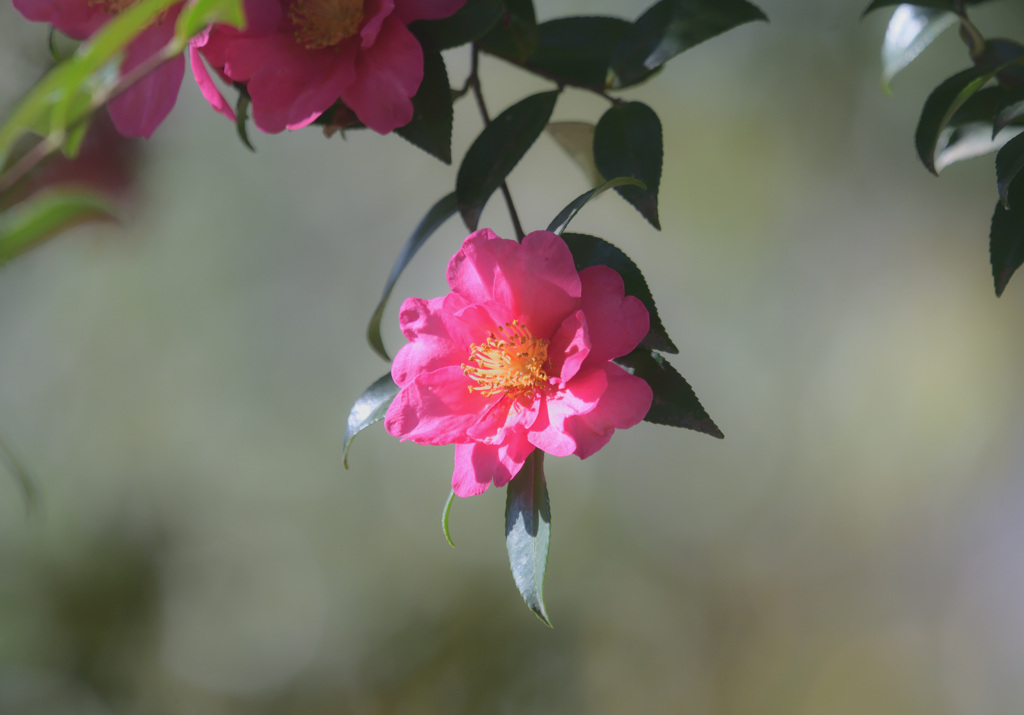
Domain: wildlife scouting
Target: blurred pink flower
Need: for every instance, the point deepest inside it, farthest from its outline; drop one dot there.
(138, 111)
(517, 357)
(298, 57)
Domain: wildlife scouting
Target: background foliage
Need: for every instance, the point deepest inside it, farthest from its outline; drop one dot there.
(178, 386)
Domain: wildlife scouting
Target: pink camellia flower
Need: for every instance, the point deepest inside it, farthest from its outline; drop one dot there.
(138, 111)
(517, 357)
(298, 57)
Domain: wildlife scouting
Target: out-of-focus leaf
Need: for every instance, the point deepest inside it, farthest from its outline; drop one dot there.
(675, 403)
(577, 50)
(577, 138)
(196, 15)
(1010, 109)
(528, 531)
(940, 106)
(497, 150)
(514, 36)
(968, 141)
(40, 217)
(911, 29)
(592, 251)
(470, 23)
(431, 125)
(1006, 239)
(1009, 162)
(437, 215)
(627, 142)
(670, 27)
(948, 5)
(444, 518)
(567, 214)
(371, 407)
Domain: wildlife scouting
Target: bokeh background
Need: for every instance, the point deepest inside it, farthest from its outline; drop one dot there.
(177, 386)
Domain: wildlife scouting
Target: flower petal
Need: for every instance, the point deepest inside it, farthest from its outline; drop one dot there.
(387, 75)
(617, 322)
(625, 403)
(436, 408)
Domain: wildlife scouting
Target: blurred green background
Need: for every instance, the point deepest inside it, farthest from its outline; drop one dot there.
(178, 387)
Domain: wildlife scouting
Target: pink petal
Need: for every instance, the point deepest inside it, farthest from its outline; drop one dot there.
(617, 322)
(140, 109)
(436, 408)
(387, 75)
(624, 404)
(211, 93)
(374, 14)
(475, 465)
(412, 10)
(75, 18)
(569, 347)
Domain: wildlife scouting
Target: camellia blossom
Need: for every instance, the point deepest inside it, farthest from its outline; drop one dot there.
(517, 357)
(140, 109)
(298, 57)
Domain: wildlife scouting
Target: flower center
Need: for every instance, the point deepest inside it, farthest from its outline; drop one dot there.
(317, 24)
(513, 361)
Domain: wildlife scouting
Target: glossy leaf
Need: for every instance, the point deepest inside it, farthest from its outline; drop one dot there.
(567, 214)
(577, 50)
(437, 215)
(592, 251)
(444, 518)
(577, 138)
(1006, 239)
(497, 150)
(675, 403)
(1010, 110)
(370, 408)
(910, 31)
(470, 23)
(528, 531)
(431, 125)
(627, 142)
(940, 107)
(670, 27)
(948, 5)
(514, 36)
(1009, 162)
(40, 217)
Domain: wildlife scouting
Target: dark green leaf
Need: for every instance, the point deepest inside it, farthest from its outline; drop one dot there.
(627, 142)
(437, 215)
(569, 212)
(371, 407)
(497, 150)
(528, 531)
(910, 30)
(675, 403)
(948, 5)
(940, 106)
(431, 125)
(514, 36)
(577, 50)
(1006, 246)
(592, 251)
(40, 217)
(1009, 111)
(1009, 162)
(444, 518)
(472, 20)
(670, 27)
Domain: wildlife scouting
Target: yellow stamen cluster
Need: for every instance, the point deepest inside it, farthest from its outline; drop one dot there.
(324, 23)
(512, 362)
